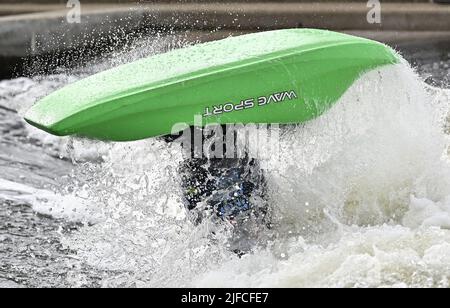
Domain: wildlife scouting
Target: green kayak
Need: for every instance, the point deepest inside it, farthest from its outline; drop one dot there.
(284, 76)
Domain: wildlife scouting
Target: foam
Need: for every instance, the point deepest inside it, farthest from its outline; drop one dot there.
(361, 197)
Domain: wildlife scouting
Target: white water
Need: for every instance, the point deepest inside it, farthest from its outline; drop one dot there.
(361, 197)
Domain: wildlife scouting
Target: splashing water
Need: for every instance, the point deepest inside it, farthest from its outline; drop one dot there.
(360, 197)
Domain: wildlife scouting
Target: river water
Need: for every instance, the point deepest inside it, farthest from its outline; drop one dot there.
(360, 197)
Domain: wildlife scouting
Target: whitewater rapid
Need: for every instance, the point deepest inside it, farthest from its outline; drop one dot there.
(360, 198)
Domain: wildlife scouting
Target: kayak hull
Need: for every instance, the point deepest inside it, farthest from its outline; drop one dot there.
(223, 82)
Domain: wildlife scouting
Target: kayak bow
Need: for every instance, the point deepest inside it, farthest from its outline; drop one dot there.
(284, 76)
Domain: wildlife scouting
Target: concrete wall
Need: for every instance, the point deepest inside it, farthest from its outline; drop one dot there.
(46, 31)
(204, 1)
